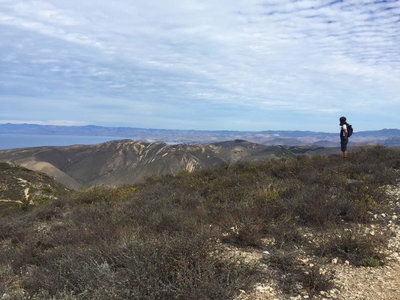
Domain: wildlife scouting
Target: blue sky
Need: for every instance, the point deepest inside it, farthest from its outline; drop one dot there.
(210, 64)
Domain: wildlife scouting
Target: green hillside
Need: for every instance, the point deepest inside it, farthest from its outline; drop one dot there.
(188, 236)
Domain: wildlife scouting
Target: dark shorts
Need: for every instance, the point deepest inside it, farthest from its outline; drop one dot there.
(343, 144)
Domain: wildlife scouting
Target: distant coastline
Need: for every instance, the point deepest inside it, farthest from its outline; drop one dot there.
(31, 135)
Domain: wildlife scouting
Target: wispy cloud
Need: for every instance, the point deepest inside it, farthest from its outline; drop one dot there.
(180, 62)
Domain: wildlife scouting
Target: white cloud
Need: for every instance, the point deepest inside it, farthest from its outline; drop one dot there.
(284, 55)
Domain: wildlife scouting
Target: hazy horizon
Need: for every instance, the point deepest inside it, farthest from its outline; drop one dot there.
(174, 129)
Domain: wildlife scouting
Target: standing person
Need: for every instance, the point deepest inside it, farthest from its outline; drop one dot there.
(344, 136)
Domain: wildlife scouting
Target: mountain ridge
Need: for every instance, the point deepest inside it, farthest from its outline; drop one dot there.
(127, 161)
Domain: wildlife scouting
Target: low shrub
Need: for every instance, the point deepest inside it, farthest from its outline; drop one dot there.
(284, 261)
(161, 239)
(4, 165)
(315, 280)
(354, 246)
(294, 277)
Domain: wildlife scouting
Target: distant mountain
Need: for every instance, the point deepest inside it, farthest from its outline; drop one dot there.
(393, 141)
(268, 137)
(387, 133)
(325, 143)
(127, 161)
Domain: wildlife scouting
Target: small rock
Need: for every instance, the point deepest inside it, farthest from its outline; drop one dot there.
(394, 217)
(334, 260)
(266, 252)
(346, 262)
(6, 296)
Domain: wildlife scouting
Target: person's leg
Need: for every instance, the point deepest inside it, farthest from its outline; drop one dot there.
(343, 145)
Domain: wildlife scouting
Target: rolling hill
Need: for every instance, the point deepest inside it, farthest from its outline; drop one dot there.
(127, 161)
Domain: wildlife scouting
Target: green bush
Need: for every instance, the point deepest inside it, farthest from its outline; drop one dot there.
(4, 165)
(370, 262)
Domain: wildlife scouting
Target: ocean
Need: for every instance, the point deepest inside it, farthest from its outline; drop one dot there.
(11, 141)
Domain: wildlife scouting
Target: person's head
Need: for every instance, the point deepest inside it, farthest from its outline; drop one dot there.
(342, 120)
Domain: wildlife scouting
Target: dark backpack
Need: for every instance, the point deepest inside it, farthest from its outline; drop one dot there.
(349, 130)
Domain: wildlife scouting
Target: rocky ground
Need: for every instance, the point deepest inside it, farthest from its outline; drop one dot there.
(350, 282)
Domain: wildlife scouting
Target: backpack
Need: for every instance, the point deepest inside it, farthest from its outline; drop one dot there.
(349, 130)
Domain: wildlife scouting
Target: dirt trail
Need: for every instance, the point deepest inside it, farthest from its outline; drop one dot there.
(369, 283)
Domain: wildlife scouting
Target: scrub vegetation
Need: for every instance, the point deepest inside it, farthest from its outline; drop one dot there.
(169, 238)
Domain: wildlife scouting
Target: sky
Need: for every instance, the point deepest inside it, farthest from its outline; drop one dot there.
(248, 65)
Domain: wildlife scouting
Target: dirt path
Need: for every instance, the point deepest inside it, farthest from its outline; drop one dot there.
(368, 283)
(351, 283)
